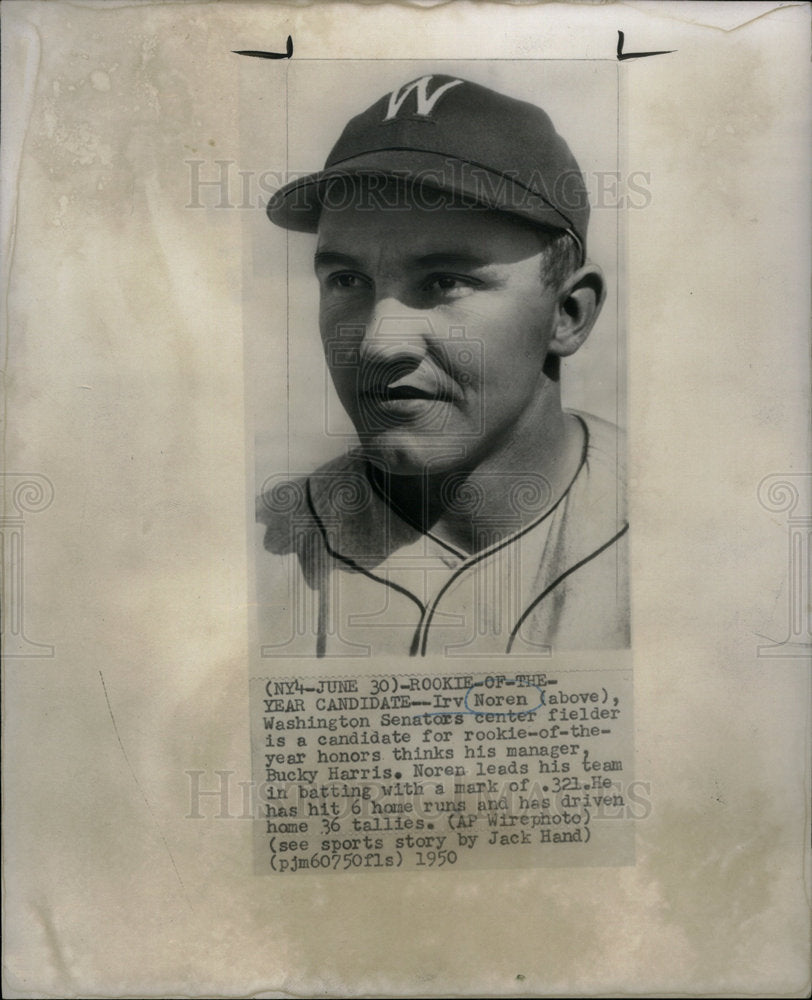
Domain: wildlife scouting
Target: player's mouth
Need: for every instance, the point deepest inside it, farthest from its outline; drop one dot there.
(404, 399)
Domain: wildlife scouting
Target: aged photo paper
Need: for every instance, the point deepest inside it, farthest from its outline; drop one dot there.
(406, 499)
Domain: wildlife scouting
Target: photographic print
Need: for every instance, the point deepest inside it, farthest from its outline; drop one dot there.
(472, 500)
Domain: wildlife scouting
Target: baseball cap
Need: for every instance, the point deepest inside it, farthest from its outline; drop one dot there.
(443, 133)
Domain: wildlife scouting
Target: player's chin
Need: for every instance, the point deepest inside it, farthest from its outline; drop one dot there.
(414, 454)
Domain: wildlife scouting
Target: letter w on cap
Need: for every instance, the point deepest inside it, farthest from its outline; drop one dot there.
(425, 103)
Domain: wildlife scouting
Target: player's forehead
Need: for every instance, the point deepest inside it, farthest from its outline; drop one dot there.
(414, 227)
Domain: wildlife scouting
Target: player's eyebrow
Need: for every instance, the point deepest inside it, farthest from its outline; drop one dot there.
(444, 258)
(329, 258)
(450, 258)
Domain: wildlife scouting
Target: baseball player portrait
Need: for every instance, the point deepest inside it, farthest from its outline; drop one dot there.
(474, 514)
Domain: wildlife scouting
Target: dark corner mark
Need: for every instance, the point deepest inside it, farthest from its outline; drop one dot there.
(621, 55)
(288, 53)
(267, 55)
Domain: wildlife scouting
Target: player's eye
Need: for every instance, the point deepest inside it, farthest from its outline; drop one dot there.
(449, 284)
(347, 279)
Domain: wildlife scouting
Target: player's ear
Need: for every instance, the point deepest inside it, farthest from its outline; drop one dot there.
(578, 303)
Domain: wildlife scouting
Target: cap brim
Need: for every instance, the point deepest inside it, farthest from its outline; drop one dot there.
(298, 205)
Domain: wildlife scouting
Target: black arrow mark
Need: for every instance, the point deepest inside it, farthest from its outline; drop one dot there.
(268, 55)
(636, 55)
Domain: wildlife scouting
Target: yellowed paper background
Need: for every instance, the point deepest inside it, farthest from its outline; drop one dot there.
(125, 393)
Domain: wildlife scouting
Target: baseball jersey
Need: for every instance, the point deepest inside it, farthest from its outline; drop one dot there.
(341, 573)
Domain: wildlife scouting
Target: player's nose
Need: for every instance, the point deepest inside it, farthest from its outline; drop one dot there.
(394, 331)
